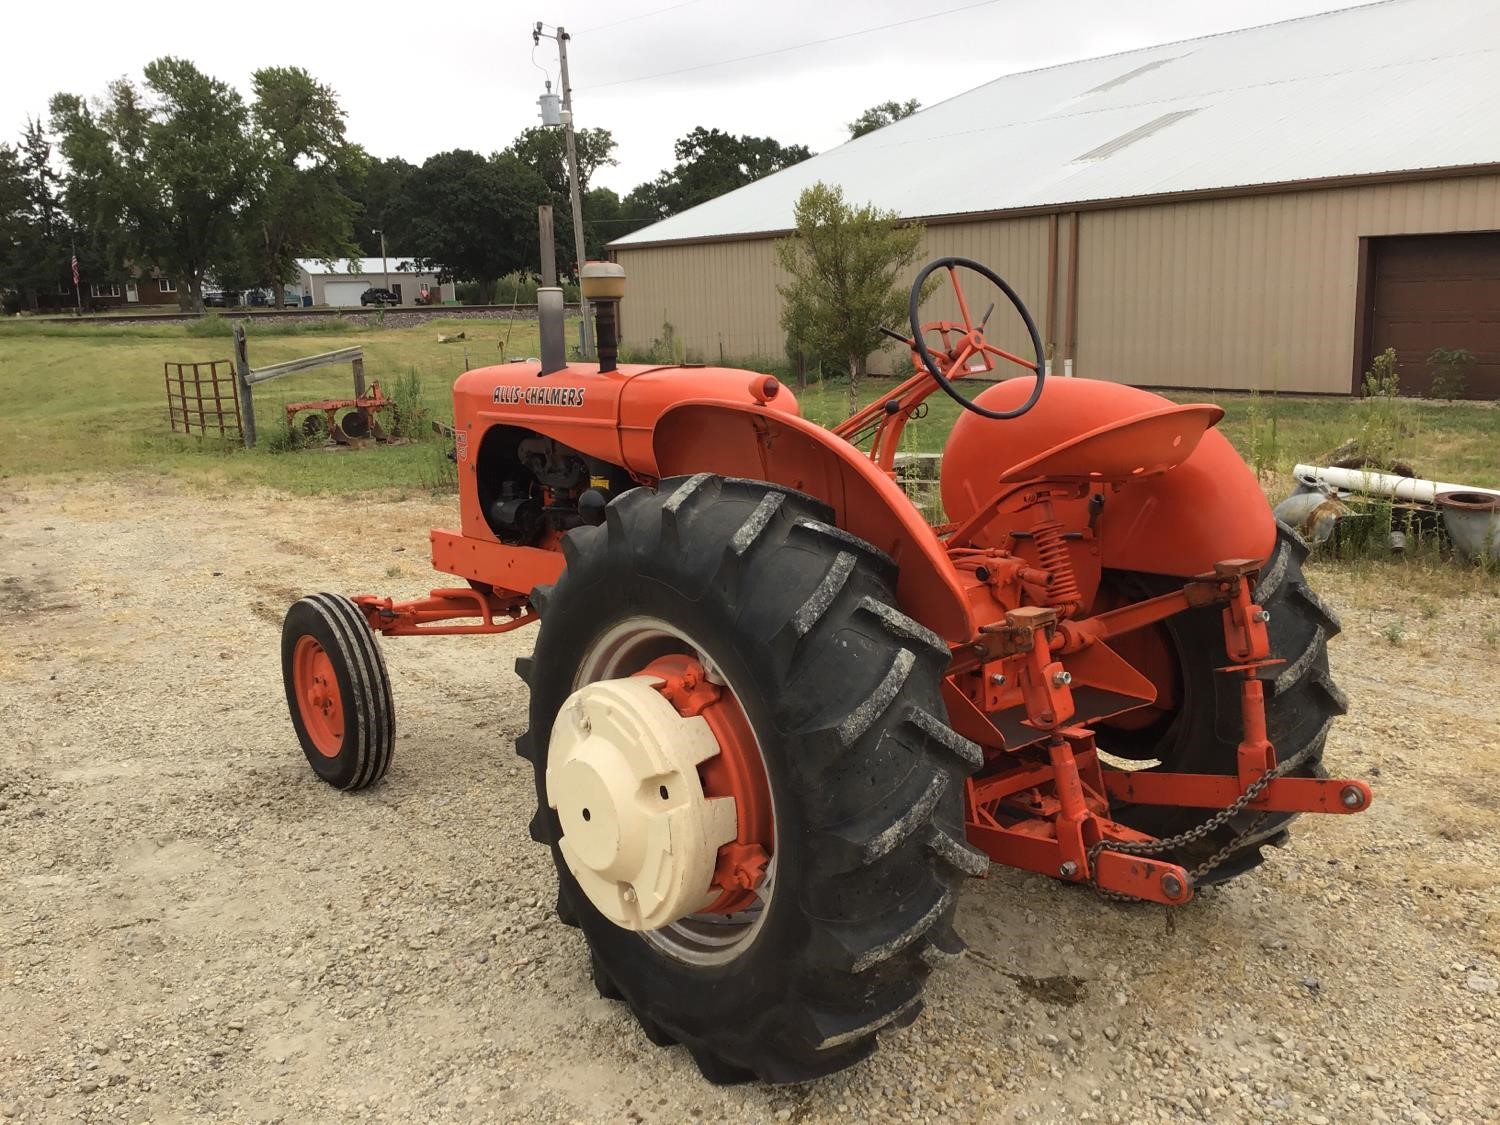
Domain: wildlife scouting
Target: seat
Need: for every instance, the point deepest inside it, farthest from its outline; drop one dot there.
(1146, 445)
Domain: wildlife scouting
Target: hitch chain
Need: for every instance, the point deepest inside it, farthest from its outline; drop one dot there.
(1193, 835)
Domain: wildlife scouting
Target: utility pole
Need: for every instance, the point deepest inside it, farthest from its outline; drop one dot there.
(384, 266)
(586, 334)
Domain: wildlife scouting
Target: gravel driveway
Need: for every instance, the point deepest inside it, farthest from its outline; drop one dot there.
(192, 926)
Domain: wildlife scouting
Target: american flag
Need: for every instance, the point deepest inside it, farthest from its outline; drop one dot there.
(75, 269)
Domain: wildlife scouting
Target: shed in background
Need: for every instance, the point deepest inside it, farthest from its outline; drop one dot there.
(341, 283)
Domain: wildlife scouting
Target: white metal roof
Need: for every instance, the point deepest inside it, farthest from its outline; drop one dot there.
(357, 267)
(1392, 86)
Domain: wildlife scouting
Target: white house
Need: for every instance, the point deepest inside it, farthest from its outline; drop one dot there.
(341, 283)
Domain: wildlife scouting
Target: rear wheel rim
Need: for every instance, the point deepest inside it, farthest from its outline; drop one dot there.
(625, 649)
(318, 699)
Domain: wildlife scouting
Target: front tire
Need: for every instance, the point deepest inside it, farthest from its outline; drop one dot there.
(866, 780)
(338, 691)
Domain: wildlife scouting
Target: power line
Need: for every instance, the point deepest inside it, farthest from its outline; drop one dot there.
(795, 46)
(638, 16)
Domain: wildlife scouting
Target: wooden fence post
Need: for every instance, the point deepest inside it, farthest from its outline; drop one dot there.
(358, 363)
(242, 384)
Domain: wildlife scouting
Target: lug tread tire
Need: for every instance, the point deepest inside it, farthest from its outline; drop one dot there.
(865, 775)
(364, 689)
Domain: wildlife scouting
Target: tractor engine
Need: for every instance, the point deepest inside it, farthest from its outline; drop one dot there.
(533, 488)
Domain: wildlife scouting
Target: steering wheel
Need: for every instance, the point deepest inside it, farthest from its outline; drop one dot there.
(973, 341)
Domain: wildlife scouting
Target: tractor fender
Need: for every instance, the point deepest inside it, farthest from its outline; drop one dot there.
(1179, 523)
(760, 443)
(1208, 509)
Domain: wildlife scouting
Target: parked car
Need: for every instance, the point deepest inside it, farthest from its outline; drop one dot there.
(374, 296)
(220, 298)
(261, 299)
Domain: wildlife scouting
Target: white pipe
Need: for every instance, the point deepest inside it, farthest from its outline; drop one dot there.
(1385, 484)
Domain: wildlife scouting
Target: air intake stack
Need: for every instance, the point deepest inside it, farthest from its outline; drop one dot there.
(603, 284)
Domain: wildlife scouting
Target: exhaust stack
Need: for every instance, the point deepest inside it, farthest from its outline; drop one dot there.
(549, 299)
(549, 307)
(602, 285)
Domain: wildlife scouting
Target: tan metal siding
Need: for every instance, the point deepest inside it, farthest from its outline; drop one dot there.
(1256, 291)
(723, 294)
(1253, 291)
(1016, 250)
(718, 295)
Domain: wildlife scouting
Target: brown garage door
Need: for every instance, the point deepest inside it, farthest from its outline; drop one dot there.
(1436, 291)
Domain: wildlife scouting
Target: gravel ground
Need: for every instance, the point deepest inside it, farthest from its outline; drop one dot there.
(192, 926)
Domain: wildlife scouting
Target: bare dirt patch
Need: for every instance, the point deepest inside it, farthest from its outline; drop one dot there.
(191, 925)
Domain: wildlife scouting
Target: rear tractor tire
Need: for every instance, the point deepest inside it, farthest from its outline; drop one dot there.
(840, 695)
(1202, 733)
(338, 691)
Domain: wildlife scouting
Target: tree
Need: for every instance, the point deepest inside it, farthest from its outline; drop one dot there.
(544, 152)
(33, 230)
(299, 207)
(47, 250)
(710, 163)
(642, 207)
(602, 221)
(378, 196)
(879, 116)
(473, 218)
(15, 228)
(162, 176)
(42, 181)
(845, 265)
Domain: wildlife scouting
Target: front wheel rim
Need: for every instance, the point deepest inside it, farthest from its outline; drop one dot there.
(319, 701)
(626, 649)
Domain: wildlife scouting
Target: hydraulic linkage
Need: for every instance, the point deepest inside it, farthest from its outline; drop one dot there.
(1045, 806)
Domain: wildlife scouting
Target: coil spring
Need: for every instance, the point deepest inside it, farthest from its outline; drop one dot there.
(1052, 555)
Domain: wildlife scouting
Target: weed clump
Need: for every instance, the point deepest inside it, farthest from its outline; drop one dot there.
(1386, 423)
(412, 414)
(1451, 372)
(1263, 449)
(665, 348)
(284, 438)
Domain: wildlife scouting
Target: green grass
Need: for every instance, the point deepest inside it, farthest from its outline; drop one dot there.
(82, 399)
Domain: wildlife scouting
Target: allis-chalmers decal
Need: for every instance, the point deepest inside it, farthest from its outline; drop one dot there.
(538, 396)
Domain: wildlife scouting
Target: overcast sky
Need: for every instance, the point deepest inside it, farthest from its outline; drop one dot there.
(418, 78)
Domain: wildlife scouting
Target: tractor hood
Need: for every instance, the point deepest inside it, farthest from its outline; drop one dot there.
(581, 387)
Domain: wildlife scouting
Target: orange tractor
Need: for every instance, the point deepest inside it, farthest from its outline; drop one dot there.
(776, 717)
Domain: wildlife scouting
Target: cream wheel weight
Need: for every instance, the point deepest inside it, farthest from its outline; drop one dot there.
(638, 833)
